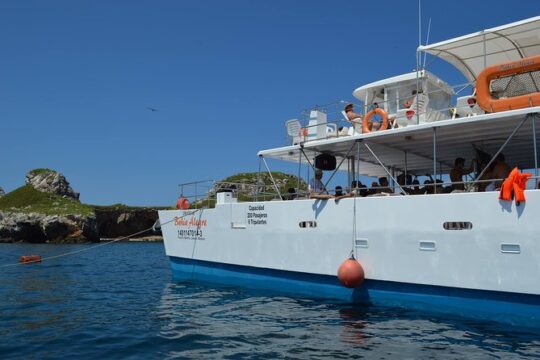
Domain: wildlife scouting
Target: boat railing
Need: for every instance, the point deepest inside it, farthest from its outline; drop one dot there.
(336, 125)
(202, 194)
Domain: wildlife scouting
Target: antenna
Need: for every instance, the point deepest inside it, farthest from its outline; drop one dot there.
(427, 42)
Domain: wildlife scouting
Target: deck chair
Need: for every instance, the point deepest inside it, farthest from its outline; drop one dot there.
(407, 116)
(294, 131)
(467, 106)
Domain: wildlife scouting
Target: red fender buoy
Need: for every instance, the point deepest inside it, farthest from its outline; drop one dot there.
(182, 203)
(351, 273)
(26, 259)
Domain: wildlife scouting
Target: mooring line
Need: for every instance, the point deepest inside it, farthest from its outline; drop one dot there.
(153, 227)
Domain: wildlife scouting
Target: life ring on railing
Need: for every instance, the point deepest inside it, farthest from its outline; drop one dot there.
(182, 203)
(367, 119)
(483, 94)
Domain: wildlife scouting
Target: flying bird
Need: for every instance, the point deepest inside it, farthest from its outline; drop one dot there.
(151, 109)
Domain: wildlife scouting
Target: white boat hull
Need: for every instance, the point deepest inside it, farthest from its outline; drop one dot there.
(407, 254)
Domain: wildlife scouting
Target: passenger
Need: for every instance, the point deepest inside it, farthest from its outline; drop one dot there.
(500, 170)
(415, 189)
(340, 195)
(409, 103)
(316, 187)
(428, 187)
(377, 120)
(291, 194)
(354, 118)
(383, 182)
(457, 173)
(339, 191)
(374, 188)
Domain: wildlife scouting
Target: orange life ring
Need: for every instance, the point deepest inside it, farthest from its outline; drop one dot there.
(367, 119)
(182, 203)
(483, 94)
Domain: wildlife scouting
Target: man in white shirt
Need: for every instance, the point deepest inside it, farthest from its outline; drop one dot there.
(316, 186)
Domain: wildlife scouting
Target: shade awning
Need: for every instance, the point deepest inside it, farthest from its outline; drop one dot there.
(411, 148)
(471, 53)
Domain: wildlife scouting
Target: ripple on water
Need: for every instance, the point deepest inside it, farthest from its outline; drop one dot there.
(119, 301)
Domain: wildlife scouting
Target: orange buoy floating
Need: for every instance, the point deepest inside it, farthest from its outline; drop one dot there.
(351, 273)
(182, 203)
(27, 259)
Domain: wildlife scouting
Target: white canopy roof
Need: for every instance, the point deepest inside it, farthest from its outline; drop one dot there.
(454, 138)
(360, 93)
(505, 43)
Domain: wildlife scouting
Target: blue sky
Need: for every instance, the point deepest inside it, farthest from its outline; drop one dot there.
(77, 78)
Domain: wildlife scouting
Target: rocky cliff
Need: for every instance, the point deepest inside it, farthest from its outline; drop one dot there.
(46, 209)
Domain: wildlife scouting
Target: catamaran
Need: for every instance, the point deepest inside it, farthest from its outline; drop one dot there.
(466, 251)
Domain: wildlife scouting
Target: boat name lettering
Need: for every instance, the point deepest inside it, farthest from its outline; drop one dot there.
(193, 221)
(518, 64)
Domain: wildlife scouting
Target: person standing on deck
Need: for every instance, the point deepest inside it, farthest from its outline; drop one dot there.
(316, 187)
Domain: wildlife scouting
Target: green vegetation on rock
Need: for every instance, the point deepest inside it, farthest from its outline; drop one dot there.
(40, 171)
(26, 199)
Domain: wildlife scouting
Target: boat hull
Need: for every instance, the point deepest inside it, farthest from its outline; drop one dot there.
(465, 253)
(514, 308)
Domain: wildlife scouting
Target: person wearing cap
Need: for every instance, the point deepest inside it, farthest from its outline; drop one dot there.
(316, 187)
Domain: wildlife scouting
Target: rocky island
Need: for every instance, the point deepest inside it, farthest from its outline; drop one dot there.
(47, 209)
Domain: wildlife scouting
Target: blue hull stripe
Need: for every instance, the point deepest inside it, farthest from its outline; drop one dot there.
(523, 309)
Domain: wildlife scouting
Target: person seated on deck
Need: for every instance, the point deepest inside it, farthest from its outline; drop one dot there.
(291, 194)
(500, 170)
(376, 121)
(354, 118)
(409, 103)
(415, 188)
(457, 173)
(316, 187)
(340, 195)
(383, 183)
(428, 187)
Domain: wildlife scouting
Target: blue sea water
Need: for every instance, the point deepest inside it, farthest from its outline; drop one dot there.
(119, 302)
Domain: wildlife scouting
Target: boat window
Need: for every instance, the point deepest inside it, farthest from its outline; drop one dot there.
(457, 225)
(307, 224)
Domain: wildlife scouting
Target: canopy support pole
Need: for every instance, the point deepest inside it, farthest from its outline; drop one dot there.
(534, 144)
(503, 146)
(435, 159)
(271, 177)
(299, 173)
(384, 168)
(258, 179)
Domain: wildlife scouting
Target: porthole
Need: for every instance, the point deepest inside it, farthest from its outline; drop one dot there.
(307, 224)
(457, 225)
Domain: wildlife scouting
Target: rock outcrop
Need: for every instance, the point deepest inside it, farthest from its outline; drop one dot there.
(40, 228)
(2, 192)
(50, 181)
(115, 223)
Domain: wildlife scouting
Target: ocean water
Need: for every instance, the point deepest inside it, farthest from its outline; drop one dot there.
(119, 302)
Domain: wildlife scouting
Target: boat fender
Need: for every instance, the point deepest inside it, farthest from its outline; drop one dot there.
(26, 259)
(351, 273)
(182, 203)
(367, 120)
(507, 188)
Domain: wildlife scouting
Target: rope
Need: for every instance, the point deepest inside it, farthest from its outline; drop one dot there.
(153, 227)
